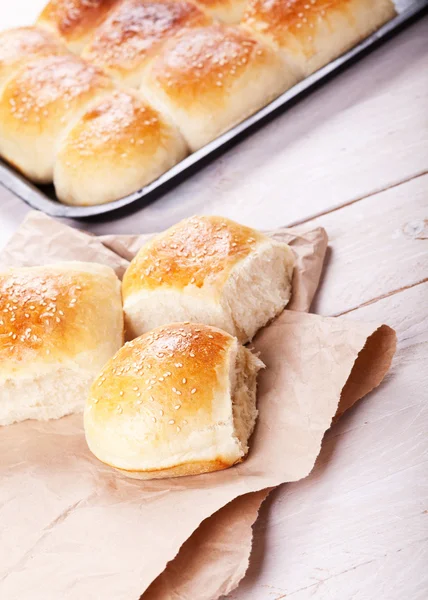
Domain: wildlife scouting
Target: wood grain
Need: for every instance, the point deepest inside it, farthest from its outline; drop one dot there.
(378, 246)
(349, 529)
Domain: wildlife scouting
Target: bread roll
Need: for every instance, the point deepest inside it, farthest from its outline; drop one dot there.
(135, 31)
(311, 33)
(208, 270)
(180, 400)
(39, 104)
(19, 46)
(74, 20)
(117, 147)
(228, 11)
(59, 324)
(211, 78)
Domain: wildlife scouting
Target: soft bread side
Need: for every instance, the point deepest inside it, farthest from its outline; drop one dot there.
(180, 400)
(209, 270)
(59, 324)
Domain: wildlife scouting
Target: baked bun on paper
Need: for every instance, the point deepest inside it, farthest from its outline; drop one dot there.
(39, 104)
(23, 44)
(117, 147)
(210, 78)
(180, 400)
(135, 31)
(74, 20)
(208, 270)
(311, 33)
(59, 325)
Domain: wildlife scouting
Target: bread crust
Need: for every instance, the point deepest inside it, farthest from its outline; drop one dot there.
(135, 31)
(119, 145)
(163, 405)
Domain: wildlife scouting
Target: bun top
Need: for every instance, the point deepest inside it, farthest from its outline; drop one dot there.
(74, 20)
(206, 62)
(23, 44)
(52, 314)
(156, 392)
(46, 91)
(198, 251)
(118, 129)
(135, 30)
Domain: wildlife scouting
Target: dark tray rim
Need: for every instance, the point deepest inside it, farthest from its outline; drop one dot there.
(36, 198)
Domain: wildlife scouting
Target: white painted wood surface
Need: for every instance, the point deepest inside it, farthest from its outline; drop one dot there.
(357, 528)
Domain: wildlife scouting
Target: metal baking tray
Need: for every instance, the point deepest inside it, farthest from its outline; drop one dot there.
(43, 197)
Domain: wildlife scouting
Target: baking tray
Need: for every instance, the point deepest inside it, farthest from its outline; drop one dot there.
(43, 197)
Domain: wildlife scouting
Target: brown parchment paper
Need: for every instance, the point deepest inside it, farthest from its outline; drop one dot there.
(92, 533)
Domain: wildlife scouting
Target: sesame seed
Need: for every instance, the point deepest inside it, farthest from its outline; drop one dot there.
(139, 402)
(96, 400)
(178, 428)
(184, 422)
(27, 315)
(193, 391)
(210, 336)
(177, 406)
(161, 412)
(192, 354)
(171, 422)
(121, 393)
(119, 409)
(152, 399)
(154, 419)
(135, 389)
(184, 380)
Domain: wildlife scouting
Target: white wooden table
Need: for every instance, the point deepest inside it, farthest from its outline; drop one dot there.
(352, 157)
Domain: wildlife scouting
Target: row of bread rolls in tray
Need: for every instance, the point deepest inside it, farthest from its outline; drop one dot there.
(180, 397)
(155, 80)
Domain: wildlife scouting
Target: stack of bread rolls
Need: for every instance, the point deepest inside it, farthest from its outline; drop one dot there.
(179, 398)
(102, 97)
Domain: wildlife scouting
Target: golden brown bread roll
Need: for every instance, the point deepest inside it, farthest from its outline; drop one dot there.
(19, 46)
(117, 147)
(208, 270)
(74, 20)
(134, 31)
(59, 324)
(37, 106)
(228, 11)
(210, 78)
(180, 400)
(311, 33)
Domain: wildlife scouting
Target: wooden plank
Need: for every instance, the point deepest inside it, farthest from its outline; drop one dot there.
(378, 246)
(12, 212)
(349, 530)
